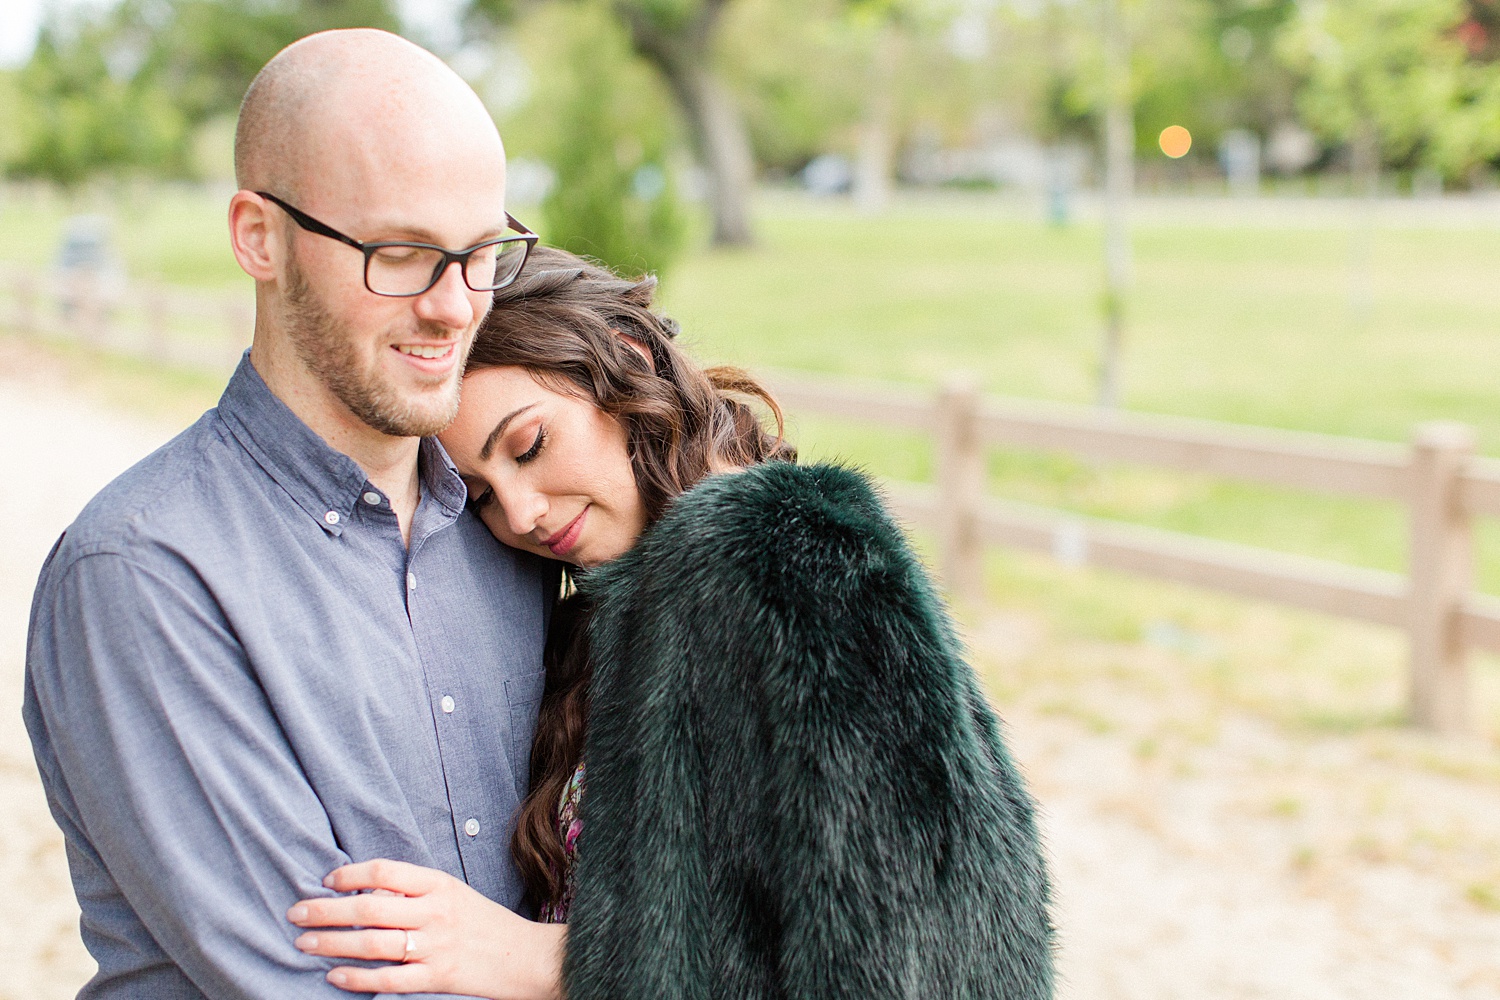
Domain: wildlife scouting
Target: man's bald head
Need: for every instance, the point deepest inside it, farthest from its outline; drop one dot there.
(356, 91)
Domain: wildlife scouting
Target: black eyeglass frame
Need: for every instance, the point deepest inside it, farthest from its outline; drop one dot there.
(450, 257)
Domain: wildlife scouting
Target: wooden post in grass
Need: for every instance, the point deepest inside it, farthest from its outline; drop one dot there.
(239, 320)
(960, 481)
(158, 322)
(88, 320)
(26, 319)
(1442, 574)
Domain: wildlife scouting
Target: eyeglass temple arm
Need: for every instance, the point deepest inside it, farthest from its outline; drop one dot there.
(517, 225)
(310, 224)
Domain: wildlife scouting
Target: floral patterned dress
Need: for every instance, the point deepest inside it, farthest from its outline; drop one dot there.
(555, 911)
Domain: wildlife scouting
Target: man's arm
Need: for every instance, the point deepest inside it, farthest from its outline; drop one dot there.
(179, 774)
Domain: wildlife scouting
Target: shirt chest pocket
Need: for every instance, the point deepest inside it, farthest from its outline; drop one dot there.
(524, 696)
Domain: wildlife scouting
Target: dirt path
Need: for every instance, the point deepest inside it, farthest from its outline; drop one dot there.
(1199, 851)
(57, 450)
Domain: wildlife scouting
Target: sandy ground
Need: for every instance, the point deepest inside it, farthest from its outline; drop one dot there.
(1199, 849)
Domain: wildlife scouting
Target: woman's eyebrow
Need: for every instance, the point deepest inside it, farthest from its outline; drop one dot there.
(495, 435)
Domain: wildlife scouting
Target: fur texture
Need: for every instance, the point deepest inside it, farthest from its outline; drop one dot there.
(795, 786)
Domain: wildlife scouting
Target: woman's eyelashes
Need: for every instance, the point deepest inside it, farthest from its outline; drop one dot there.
(536, 447)
(483, 499)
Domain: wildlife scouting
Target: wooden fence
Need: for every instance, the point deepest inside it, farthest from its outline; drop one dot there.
(1442, 483)
(1438, 477)
(183, 328)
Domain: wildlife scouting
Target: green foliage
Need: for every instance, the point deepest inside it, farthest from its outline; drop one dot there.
(1399, 70)
(121, 90)
(210, 50)
(613, 199)
(88, 108)
(799, 90)
(12, 107)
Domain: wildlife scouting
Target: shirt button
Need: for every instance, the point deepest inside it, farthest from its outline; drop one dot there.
(411, 581)
(373, 499)
(472, 827)
(332, 517)
(448, 704)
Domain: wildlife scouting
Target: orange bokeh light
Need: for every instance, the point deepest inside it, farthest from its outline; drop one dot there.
(1175, 141)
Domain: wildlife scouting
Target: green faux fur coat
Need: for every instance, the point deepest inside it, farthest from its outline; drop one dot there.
(795, 787)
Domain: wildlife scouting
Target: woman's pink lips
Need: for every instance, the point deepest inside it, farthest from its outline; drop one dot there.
(565, 539)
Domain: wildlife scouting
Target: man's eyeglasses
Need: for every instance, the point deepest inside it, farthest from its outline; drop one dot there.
(401, 269)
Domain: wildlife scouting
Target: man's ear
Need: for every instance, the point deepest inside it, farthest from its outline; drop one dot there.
(253, 236)
(640, 347)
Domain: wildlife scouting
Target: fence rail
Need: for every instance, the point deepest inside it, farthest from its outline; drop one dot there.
(1437, 477)
(183, 328)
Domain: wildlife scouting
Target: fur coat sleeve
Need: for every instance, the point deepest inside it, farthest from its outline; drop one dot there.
(795, 786)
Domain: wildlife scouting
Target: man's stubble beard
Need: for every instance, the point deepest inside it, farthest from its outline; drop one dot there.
(329, 349)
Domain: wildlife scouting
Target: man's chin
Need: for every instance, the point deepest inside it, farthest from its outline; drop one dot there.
(408, 410)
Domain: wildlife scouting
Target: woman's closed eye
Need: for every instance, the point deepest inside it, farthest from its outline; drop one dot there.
(536, 447)
(482, 499)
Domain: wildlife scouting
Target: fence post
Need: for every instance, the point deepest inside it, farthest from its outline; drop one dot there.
(87, 313)
(158, 312)
(960, 480)
(1442, 571)
(26, 321)
(239, 322)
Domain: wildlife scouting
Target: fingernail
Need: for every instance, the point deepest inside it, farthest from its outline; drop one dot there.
(297, 914)
(338, 978)
(328, 881)
(307, 942)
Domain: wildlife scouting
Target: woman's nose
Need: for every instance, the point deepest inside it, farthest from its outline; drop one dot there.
(524, 510)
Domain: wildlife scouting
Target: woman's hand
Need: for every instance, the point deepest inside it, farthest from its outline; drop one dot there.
(446, 937)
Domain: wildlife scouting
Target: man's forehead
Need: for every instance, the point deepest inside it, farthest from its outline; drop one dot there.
(439, 191)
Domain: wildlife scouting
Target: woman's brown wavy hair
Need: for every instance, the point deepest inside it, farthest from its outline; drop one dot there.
(581, 329)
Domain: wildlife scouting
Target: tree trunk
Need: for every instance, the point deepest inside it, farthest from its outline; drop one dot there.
(1364, 169)
(875, 165)
(715, 125)
(723, 147)
(1119, 185)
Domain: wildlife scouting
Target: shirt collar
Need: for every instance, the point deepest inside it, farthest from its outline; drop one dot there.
(324, 482)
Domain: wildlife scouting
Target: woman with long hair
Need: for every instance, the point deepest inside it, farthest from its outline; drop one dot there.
(761, 766)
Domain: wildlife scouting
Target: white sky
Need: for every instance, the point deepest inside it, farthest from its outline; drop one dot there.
(19, 20)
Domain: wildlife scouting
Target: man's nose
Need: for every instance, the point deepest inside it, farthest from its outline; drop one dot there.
(447, 303)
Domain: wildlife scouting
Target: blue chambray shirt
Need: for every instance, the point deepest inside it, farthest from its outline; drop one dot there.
(238, 678)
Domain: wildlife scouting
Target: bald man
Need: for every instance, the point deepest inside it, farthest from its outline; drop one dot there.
(281, 643)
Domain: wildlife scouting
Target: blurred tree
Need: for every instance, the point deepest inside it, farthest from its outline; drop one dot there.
(1400, 82)
(678, 39)
(123, 88)
(800, 90)
(613, 198)
(11, 110)
(88, 106)
(210, 50)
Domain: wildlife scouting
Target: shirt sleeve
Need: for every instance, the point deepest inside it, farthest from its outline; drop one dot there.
(178, 774)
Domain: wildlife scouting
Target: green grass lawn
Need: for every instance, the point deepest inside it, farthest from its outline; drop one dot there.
(1249, 322)
(1245, 320)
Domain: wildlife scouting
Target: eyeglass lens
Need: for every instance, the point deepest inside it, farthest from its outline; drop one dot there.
(411, 270)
